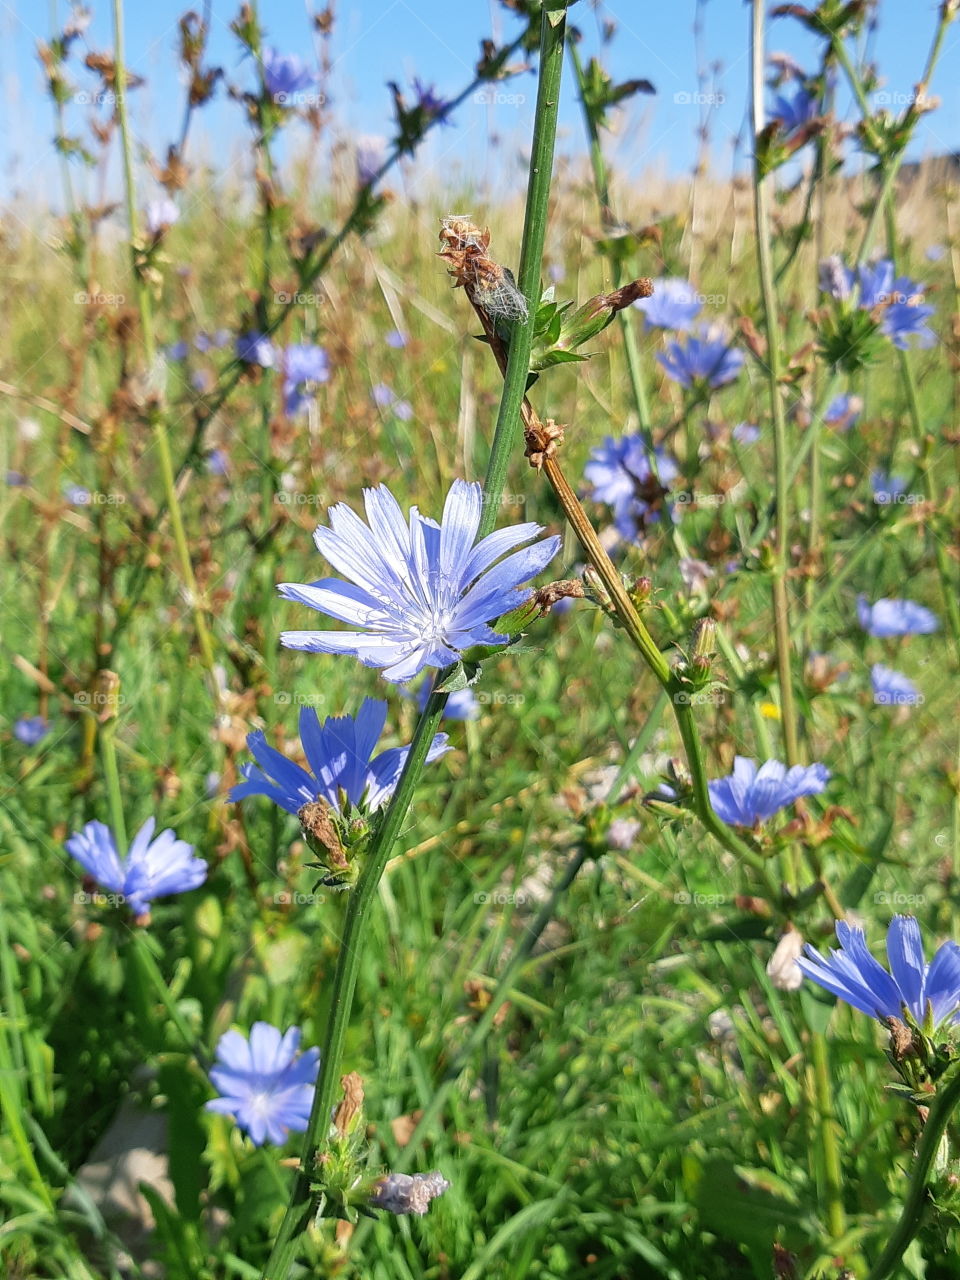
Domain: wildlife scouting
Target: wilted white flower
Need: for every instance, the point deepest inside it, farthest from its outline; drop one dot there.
(782, 968)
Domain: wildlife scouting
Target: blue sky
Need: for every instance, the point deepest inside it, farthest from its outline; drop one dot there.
(438, 40)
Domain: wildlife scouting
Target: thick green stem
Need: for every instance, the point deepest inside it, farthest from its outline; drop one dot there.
(507, 431)
(299, 1211)
(911, 1216)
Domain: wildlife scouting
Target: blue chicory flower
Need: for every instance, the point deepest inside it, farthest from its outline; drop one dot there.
(843, 411)
(255, 348)
(887, 488)
(750, 795)
(421, 591)
(892, 688)
(888, 617)
(77, 495)
(371, 153)
(382, 395)
(674, 304)
(793, 113)
(30, 730)
(263, 1084)
(708, 358)
(153, 867)
(218, 462)
(907, 318)
(178, 350)
(160, 214)
(285, 76)
(746, 433)
(904, 313)
(855, 976)
(339, 752)
(403, 410)
(430, 103)
(304, 367)
(396, 339)
(621, 475)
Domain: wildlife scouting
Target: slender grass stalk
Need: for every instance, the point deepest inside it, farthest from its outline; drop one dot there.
(781, 610)
(781, 613)
(601, 185)
(299, 1210)
(143, 957)
(484, 1024)
(830, 1149)
(145, 307)
(911, 1216)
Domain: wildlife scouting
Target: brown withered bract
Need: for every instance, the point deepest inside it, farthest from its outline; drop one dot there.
(542, 441)
(316, 822)
(902, 1043)
(350, 1104)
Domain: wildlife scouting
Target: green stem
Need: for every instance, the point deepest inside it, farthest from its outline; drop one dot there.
(299, 1211)
(765, 264)
(150, 970)
(948, 1096)
(111, 773)
(507, 431)
(145, 307)
(833, 1172)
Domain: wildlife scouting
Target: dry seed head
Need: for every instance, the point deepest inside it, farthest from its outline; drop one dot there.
(488, 285)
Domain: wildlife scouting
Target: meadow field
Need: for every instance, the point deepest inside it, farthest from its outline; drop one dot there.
(530, 999)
